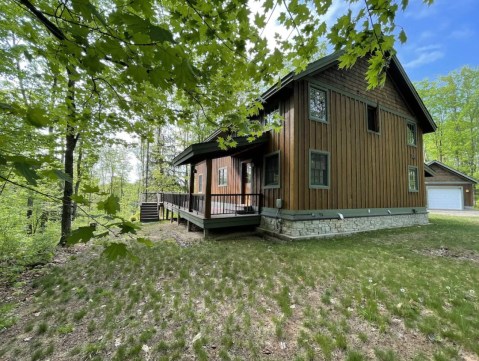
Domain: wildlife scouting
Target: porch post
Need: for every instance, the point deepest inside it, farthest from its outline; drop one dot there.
(208, 189)
(192, 187)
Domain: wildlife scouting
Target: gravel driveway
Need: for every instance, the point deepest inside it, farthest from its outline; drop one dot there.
(463, 213)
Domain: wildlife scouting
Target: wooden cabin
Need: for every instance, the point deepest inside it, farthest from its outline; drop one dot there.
(346, 159)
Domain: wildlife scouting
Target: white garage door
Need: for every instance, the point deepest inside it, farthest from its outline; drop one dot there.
(444, 198)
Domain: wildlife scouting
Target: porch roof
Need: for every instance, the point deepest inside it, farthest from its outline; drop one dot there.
(210, 150)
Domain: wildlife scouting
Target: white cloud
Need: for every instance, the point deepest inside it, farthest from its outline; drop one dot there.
(463, 33)
(425, 58)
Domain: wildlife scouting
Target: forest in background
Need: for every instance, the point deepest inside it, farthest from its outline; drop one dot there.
(453, 101)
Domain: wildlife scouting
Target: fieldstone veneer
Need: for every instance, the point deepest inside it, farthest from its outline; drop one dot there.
(327, 227)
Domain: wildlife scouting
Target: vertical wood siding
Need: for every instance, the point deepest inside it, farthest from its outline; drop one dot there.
(368, 170)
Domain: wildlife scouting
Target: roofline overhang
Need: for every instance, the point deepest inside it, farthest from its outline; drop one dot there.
(436, 162)
(429, 171)
(210, 150)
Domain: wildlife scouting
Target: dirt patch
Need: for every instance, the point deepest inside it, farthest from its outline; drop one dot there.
(450, 253)
(166, 230)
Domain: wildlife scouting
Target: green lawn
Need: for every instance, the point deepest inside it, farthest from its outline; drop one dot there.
(404, 294)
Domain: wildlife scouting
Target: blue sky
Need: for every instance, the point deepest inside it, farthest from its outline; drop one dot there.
(441, 37)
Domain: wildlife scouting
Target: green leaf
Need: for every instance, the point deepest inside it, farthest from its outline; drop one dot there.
(115, 250)
(157, 33)
(128, 227)
(36, 117)
(56, 174)
(82, 234)
(103, 234)
(147, 242)
(184, 74)
(5, 106)
(90, 189)
(402, 37)
(26, 171)
(80, 199)
(111, 205)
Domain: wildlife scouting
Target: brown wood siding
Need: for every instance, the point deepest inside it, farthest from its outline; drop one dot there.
(368, 170)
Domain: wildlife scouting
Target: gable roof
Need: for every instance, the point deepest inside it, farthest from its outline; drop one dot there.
(210, 149)
(395, 71)
(454, 171)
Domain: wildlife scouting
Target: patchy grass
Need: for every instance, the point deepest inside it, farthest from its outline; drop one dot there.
(385, 295)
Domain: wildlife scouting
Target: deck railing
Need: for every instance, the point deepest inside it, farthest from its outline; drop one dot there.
(236, 204)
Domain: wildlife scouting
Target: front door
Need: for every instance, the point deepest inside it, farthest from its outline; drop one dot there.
(246, 182)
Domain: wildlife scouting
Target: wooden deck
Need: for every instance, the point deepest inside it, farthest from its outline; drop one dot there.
(215, 221)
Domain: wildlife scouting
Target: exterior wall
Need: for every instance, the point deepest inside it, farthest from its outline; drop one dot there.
(327, 227)
(445, 178)
(368, 170)
(233, 166)
(285, 142)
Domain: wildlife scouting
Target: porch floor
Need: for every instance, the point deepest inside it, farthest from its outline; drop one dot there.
(216, 220)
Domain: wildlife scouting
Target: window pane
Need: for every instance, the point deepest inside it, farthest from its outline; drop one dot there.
(373, 121)
(317, 103)
(271, 176)
(411, 134)
(319, 169)
(413, 181)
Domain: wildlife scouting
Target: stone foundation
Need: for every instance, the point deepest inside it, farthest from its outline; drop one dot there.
(327, 227)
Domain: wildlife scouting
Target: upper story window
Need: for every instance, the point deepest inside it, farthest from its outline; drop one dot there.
(273, 116)
(319, 166)
(200, 183)
(413, 179)
(411, 133)
(222, 177)
(373, 119)
(271, 170)
(318, 104)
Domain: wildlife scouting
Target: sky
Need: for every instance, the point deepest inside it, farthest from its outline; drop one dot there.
(442, 37)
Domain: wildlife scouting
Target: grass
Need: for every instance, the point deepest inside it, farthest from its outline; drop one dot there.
(382, 295)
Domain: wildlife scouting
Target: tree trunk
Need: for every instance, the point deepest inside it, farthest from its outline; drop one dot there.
(29, 215)
(79, 174)
(70, 144)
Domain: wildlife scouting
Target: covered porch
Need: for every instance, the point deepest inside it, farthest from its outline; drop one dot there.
(226, 193)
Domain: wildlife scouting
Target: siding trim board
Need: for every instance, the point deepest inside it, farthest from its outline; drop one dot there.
(334, 213)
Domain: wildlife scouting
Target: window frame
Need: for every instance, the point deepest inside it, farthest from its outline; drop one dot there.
(272, 186)
(275, 109)
(317, 186)
(225, 184)
(200, 183)
(415, 134)
(326, 92)
(416, 169)
(378, 119)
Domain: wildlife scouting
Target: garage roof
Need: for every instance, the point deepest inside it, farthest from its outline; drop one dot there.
(454, 171)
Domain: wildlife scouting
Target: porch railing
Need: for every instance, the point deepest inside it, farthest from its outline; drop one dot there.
(234, 204)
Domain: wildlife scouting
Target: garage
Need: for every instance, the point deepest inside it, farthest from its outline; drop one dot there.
(445, 198)
(448, 188)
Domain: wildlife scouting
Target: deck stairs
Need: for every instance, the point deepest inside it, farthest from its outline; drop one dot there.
(149, 212)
